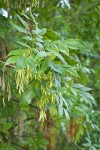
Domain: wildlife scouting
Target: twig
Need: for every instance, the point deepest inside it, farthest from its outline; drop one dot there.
(76, 145)
(7, 65)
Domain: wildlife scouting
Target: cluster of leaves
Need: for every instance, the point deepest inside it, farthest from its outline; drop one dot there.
(82, 21)
(48, 67)
(44, 72)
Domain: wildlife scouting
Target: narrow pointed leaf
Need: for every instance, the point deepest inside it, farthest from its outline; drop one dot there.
(23, 21)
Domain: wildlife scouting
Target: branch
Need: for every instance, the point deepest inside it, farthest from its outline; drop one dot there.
(76, 145)
(7, 65)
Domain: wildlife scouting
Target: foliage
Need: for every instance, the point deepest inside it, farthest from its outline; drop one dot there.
(44, 78)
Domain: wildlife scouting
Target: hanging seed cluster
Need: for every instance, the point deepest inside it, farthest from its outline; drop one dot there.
(23, 76)
(46, 96)
(9, 91)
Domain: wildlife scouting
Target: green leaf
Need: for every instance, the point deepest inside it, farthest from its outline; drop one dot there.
(81, 87)
(52, 90)
(43, 54)
(60, 57)
(26, 99)
(21, 63)
(56, 67)
(86, 44)
(64, 102)
(27, 38)
(27, 17)
(43, 31)
(73, 44)
(23, 44)
(78, 86)
(23, 21)
(39, 39)
(68, 79)
(40, 31)
(17, 52)
(73, 91)
(86, 144)
(31, 64)
(72, 71)
(12, 60)
(66, 114)
(72, 61)
(86, 89)
(63, 48)
(37, 91)
(57, 81)
(93, 148)
(44, 65)
(87, 95)
(39, 45)
(51, 34)
(60, 109)
(20, 29)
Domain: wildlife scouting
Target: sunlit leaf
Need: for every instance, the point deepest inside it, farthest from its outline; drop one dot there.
(20, 29)
(72, 71)
(11, 60)
(23, 44)
(17, 52)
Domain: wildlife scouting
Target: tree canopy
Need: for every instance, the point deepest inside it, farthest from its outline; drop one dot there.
(49, 75)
